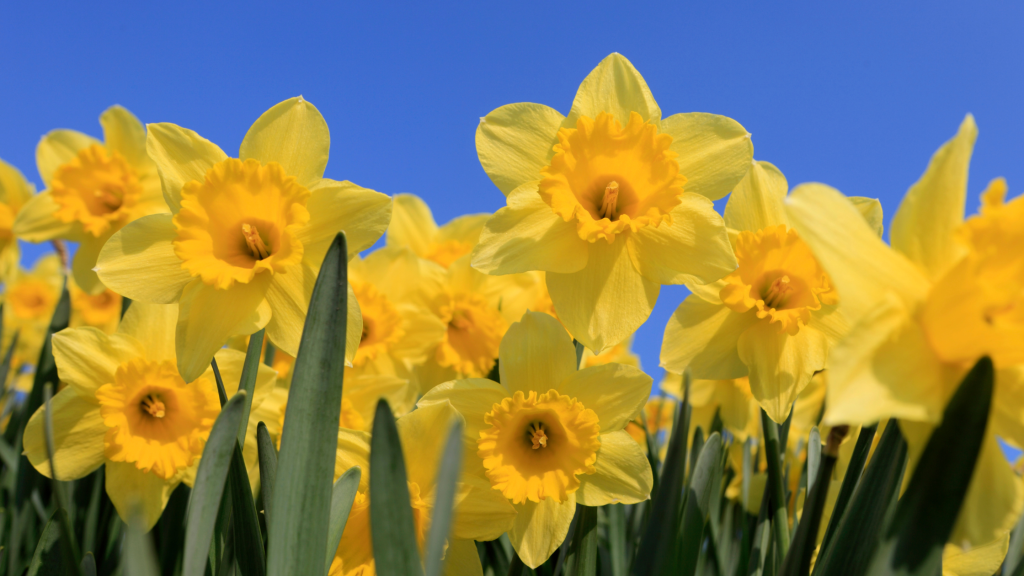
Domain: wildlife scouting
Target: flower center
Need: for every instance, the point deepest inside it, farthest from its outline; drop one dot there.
(470, 344)
(154, 419)
(382, 324)
(96, 310)
(538, 444)
(96, 188)
(31, 299)
(778, 276)
(611, 179)
(241, 220)
(447, 252)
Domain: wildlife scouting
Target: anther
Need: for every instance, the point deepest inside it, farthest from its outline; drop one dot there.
(537, 436)
(257, 248)
(778, 292)
(154, 406)
(110, 200)
(610, 201)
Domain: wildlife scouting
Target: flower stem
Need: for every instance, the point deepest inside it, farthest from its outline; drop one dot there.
(777, 489)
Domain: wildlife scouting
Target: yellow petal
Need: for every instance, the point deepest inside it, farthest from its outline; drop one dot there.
(412, 224)
(605, 302)
(152, 325)
(288, 296)
(623, 473)
(134, 493)
(983, 560)
(15, 190)
(87, 358)
(1008, 405)
(871, 210)
(364, 390)
(36, 222)
(703, 336)
(515, 141)
(207, 317)
(423, 331)
(757, 201)
(462, 559)
(464, 228)
(615, 87)
(293, 134)
(230, 363)
(933, 208)
(78, 431)
(472, 397)
(715, 152)
(353, 450)
(125, 135)
(536, 354)
(59, 147)
(424, 433)
(693, 249)
(139, 261)
(527, 235)
(484, 513)
(862, 267)
(343, 206)
(616, 392)
(994, 498)
(83, 263)
(781, 365)
(540, 528)
(181, 156)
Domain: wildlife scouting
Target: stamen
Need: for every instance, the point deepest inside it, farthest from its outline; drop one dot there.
(152, 404)
(257, 248)
(537, 436)
(778, 292)
(611, 199)
(109, 199)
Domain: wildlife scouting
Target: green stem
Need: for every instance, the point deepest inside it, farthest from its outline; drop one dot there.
(773, 451)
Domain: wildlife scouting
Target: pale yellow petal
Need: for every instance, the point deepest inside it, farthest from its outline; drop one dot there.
(125, 135)
(623, 473)
(78, 431)
(134, 493)
(540, 528)
(693, 249)
(462, 559)
(139, 261)
(781, 365)
(353, 450)
(703, 336)
(424, 433)
(465, 228)
(1008, 405)
(472, 397)
(515, 141)
(294, 134)
(615, 87)
(994, 498)
(83, 263)
(15, 190)
(288, 295)
(423, 331)
(412, 224)
(181, 156)
(527, 235)
(35, 221)
(361, 213)
(484, 513)
(87, 358)
(923, 227)
(59, 147)
(757, 201)
(207, 317)
(715, 152)
(605, 302)
(871, 210)
(862, 267)
(152, 325)
(365, 390)
(983, 560)
(615, 392)
(230, 363)
(536, 354)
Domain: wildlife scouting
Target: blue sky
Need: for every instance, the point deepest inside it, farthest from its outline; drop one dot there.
(858, 98)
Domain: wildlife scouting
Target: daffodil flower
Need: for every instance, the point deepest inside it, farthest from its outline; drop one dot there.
(549, 436)
(413, 226)
(15, 191)
(612, 201)
(480, 513)
(92, 190)
(126, 407)
(246, 236)
(774, 318)
(947, 293)
(30, 299)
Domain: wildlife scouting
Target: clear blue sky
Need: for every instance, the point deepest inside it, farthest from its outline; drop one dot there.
(858, 98)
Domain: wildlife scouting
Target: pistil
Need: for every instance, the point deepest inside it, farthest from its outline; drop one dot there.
(778, 292)
(257, 248)
(537, 436)
(154, 406)
(610, 201)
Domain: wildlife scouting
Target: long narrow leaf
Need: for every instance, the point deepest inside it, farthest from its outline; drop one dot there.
(139, 557)
(69, 543)
(342, 497)
(776, 488)
(267, 453)
(209, 485)
(47, 558)
(698, 502)
(244, 522)
(391, 523)
(582, 560)
(309, 441)
(250, 368)
(441, 520)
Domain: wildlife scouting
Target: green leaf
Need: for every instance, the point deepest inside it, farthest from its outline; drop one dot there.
(1016, 550)
(47, 559)
(776, 489)
(342, 497)
(617, 538)
(813, 457)
(857, 532)
(928, 510)
(268, 468)
(244, 522)
(309, 442)
(444, 501)
(391, 524)
(582, 557)
(250, 368)
(139, 558)
(853, 470)
(209, 485)
(798, 559)
(707, 474)
(88, 565)
(72, 554)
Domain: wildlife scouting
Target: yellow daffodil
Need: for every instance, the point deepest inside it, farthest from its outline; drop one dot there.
(15, 191)
(947, 293)
(30, 298)
(549, 436)
(774, 318)
(480, 513)
(101, 310)
(611, 201)
(246, 236)
(93, 189)
(413, 226)
(125, 406)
